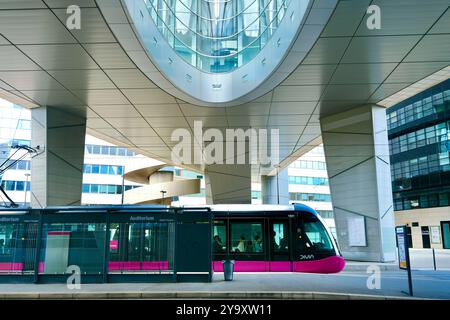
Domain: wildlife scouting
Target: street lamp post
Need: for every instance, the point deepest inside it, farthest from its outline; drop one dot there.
(123, 183)
(163, 192)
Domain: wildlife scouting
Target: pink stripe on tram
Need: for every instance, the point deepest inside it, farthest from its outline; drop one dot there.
(332, 264)
(280, 266)
(11, 266)
(136, 265)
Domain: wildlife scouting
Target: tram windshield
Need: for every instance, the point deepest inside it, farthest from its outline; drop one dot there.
(315, 234)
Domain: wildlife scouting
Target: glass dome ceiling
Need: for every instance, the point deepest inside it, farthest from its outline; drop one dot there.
(217, 36)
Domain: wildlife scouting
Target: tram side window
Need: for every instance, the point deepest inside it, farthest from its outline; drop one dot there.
(316, 234)
(219, 237)
(7, 239)
(280, 240)
(246, 237)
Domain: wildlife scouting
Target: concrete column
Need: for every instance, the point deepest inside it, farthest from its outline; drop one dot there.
(357, 156)
(228, 184)
(57, 172)
(275, 190)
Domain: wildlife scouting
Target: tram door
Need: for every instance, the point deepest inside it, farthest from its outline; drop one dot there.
(280, 257)
(140, 242)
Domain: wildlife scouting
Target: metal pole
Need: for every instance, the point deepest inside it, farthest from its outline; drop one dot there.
(278, 187)
(27, 175)
(434, 259)
(408, 262)
(123, 183)
(162, 192)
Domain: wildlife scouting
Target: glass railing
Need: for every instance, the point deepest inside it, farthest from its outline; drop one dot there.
(217, 36)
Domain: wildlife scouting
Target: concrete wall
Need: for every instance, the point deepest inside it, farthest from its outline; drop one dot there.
(357, 156)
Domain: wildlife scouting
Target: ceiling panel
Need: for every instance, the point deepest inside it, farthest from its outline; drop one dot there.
(167, 131)
(297, 93)
(346, 18)
(249, 109)
(147, 141)
(413, 72)
(167, 122)
(93, 27)
(101, 97)
(250, 121)
(422, 51)
(21, 4)
(30, 80)
(97, 123)
(292, 108)
(288, 120)
(159, 110)
(3, 40)
(36, 27)
(190, 110)
(128, 122)
(327, 51)
(59, 57)
(109, 56)
(282, 130)
(219, 121)
(5, 86)
(129, 79)
(109, 132)
(138, 132)
(362, 73)
(83, 79)
(12, 59)
(116, 111)
(310, 75)
(386, 90)
(358, 92)
(442, 26)
(66, 3)
(61, 98)
(396, 16)
(379, 49)
(148, 96)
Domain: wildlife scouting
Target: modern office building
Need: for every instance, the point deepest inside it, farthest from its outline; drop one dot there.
(134, 73)
(419, 145)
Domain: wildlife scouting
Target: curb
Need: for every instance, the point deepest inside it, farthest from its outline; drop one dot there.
(269, 295)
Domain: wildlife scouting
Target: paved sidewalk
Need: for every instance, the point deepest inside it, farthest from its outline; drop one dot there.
(427, 284)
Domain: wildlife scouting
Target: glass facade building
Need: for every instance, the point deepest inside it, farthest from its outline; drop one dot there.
(217, 36)
(419, 145)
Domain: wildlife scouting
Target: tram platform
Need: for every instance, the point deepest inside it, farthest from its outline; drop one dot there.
(342, 286)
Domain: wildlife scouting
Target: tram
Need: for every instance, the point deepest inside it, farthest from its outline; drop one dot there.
(127, 243)
(273, 238)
